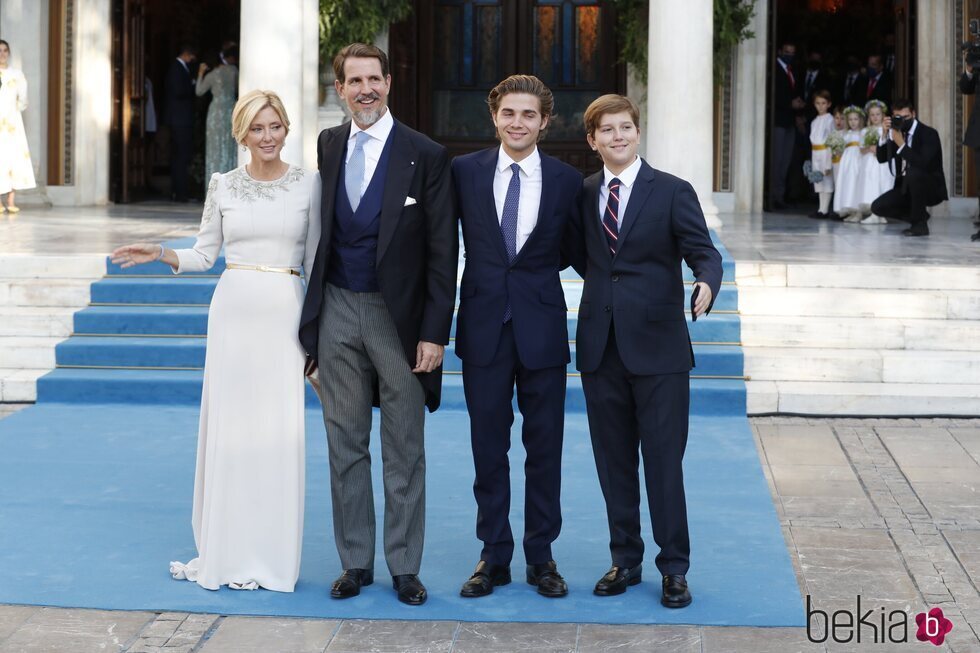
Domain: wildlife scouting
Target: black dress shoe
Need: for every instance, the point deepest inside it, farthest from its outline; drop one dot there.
(916, 230)
(546, 578)
(676, 594)
(975, 237)
(617, 579)
(484, 579)
(410, 589)
(350, 582)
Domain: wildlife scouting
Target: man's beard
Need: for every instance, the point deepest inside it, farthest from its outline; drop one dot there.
(367, 116)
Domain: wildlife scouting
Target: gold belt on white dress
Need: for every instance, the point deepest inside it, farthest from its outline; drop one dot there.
(261, 268)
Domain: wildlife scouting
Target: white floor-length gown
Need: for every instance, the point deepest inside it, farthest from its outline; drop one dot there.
(876, 178)
(250, 482)
(847, 185)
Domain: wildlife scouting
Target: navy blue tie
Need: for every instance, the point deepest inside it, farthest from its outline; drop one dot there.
(508, 220)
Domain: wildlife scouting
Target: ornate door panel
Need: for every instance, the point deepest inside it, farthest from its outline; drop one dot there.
(466, 46)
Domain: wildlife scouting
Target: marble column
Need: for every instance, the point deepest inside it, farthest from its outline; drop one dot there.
(279, 52)
(749, 120)
(679, 128)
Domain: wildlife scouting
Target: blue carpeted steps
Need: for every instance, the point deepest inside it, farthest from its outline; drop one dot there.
(142, 340)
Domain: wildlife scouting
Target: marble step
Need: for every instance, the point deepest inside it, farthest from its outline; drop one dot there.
(862, 365)
(862, 399)
(189, 353)
(19, 385)
(898, 277)
(82, 386)
(860, 333)
(44, 292)
(32, 266)
(36, 321)
(192, 320)
(851, 302)
(28, 352)
(198, 291)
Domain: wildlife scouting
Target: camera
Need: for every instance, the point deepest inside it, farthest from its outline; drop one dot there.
(902, 124)
(972, 47)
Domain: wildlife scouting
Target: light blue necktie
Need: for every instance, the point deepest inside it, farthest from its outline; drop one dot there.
(354, 175)
(508, 220)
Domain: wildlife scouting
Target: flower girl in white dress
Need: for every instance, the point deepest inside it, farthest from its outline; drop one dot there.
(876, 178)
(250, 485)
(847, 187)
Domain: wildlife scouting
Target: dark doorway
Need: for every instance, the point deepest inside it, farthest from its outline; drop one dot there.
(841, 31)
(146, 35)
(450, 53)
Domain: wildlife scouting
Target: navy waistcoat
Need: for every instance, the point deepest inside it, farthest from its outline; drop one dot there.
(354, 243)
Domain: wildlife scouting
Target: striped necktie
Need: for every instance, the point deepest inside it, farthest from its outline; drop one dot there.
(610, 217)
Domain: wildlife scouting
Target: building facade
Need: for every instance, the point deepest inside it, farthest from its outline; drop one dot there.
(86, 62)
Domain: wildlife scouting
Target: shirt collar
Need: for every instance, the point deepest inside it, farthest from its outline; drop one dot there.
(915, 123)
(379, 130)
(184, 64)
(626, 177)
(528, 164)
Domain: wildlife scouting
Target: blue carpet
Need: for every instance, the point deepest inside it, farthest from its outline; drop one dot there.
(95, 501)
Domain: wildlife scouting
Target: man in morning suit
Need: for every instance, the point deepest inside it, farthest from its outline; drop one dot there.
(634, 227)
(179, 114)
(787, 102)
(916, 153)
(514, 202)
(378, 311)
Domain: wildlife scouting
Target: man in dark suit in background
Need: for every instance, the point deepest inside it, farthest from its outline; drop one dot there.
(377, 316)
(875, 84)
(849, 93)
(787, 101)
(514, 202)
(634, 227)
(179, 89)
(971, 139)
(915, 151)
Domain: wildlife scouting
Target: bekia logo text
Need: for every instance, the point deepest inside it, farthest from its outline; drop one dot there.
(874, 625)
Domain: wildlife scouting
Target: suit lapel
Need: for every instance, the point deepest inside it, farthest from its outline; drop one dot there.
(332, 158)
(593, 230)
(398, 183)
(546, 207)
(638, 197)
(483, 186)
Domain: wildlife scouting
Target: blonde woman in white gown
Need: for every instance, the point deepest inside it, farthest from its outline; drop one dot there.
(250, 484)
(16, 169)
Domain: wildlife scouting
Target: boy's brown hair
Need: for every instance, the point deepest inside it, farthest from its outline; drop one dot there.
(528, 84)
(610, 103)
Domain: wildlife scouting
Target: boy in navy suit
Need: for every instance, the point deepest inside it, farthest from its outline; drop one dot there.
(514, 203)
(633, 228)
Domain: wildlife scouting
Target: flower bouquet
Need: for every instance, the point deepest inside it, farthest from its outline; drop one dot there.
(836, 143)
(812, 175)
(871, 138)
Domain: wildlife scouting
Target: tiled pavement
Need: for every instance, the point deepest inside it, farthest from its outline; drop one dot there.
(888, 509)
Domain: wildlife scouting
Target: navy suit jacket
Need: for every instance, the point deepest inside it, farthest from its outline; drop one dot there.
(641, 288)
(531, 282)
(180, 96)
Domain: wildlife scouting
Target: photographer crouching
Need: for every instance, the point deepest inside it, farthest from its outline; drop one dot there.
(968, 86)
(917, 155)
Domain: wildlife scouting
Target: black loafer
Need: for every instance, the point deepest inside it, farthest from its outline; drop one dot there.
(546, 578)
(350, 582)
(410, 589)
(916, 231)
(676, 594)
(617, 579)
(484, 579)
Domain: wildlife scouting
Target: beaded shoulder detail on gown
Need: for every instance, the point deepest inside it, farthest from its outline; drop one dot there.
(241, 186)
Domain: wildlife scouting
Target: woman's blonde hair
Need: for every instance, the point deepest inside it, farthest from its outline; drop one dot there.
(249, 106)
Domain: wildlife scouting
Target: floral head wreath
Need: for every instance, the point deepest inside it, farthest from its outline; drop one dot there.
(854, 109)
(876, 103)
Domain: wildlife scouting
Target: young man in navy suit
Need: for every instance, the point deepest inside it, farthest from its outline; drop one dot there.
(514, 203)
(634, 227)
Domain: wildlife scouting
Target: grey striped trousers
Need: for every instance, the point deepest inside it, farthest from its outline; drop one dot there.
(359, 346)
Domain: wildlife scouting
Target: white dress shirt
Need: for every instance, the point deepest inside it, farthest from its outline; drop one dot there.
(530, 199)
(373, 148)
(626, 180)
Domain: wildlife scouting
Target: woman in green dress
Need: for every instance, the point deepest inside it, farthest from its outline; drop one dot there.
(220, 153)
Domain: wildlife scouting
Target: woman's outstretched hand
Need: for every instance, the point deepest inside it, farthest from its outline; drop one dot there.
(137, 254)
